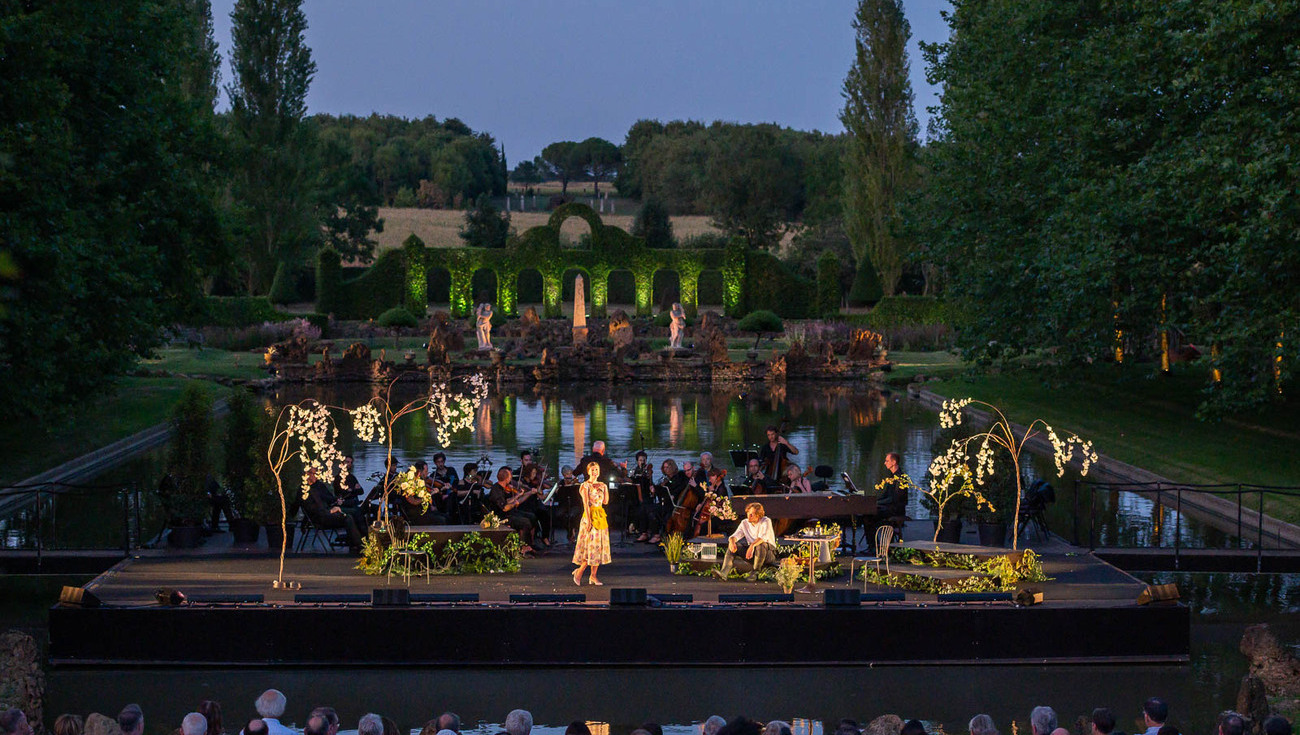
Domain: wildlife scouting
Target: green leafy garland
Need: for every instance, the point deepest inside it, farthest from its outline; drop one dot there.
(1003, 573)
(473, 553)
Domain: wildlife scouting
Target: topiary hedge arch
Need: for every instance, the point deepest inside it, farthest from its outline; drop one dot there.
(398, 277)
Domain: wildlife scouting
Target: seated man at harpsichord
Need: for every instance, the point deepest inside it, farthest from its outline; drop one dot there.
(753, 541)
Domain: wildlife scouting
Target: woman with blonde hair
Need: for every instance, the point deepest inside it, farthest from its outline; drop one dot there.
(591, 548)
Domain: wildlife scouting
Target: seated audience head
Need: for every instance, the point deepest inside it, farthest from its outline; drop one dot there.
(131, 720)
(69, 725)
(1168, 729)
(211, 711)
(1103, 721)
(712, 725)
(1277, 725)
(1231, 723)
(847, 727)
(776, 727)
(982, 725)
(14, 722)
(317, 724)
(577, 727)
(449, 721)
(1043, 720)
(1155, 711)
(390, 726)
(430, 728)
(741, 726)
(194, 724)
(653, 728)
(270, 705)
(640, 731)
(255, 727)
(370, 724)
(331, 716)
(914, 727)
(520, 721)
(97, 724)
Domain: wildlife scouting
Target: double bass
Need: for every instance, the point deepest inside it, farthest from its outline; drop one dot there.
(774, 466)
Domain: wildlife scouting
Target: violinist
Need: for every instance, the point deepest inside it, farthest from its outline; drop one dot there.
(775, 453)
(653, 502)
(794, 481)
(702, 470)
(442, 473)
(465, 500)
(755, 482)
(412, 507)
(503, 500)
(567, 505)
(347, 488)
(531, 478)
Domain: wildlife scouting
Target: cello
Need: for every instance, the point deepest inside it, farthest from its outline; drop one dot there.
(684, 506)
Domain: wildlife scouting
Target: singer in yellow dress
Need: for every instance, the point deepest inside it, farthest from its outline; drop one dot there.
(591, 549)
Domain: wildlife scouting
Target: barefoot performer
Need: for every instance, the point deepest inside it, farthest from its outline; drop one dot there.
(591, 548)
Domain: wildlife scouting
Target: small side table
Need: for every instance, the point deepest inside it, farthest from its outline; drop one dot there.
(814, 548)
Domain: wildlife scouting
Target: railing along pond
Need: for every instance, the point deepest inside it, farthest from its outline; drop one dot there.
(1240, 491)
(36, 496)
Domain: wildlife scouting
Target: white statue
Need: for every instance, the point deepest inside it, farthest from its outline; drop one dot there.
(483, 313)
(677, 327)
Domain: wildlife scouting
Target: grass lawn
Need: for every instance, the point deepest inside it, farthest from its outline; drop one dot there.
(1150, 422)
(210, 363)
(137, 404)
(908, 365)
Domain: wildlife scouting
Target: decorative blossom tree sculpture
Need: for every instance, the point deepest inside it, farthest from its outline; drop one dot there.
(303, 431)
(955, 463)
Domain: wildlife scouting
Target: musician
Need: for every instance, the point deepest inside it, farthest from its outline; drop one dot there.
(442, 473)
(525, 461)
(592, 546)
(608, 470)
(755, 482)
(465, 500)
(702, 470)
(773, 455)
(654, 502)
(326, 511)
(413, 509)
(566, 505)
(505, 502)
(347, 488)
(892, 501)
(795, 482)
(754, 541)
(532, 476)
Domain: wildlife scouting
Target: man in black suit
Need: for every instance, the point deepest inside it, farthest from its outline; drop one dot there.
(325, 511)
(505, 503)
(609, 472)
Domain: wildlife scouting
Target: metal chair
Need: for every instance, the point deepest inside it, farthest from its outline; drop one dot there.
(307, 529)
(884, 537)
(402, 553)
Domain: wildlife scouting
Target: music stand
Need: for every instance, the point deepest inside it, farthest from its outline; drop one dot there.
(740, 457)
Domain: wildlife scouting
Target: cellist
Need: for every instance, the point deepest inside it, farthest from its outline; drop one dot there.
(772, 456)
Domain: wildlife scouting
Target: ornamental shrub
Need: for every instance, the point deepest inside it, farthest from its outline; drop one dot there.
(652, 224)
(397, 317)
(828, 285)
(405, 197)
(284, 287)
(771, 285)
(189, 458)
(238, 311)
(761, 321)
(866, 285)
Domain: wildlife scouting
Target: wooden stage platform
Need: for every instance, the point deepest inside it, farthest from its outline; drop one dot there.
(1089, 614)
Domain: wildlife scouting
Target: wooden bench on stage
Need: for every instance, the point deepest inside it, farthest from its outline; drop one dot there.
(441, 535)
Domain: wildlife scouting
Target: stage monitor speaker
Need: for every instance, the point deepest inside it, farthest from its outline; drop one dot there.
(627, 596)
(976, 597)
(390, 597)
(1158, 593)
(527, 598)
(850, 597)
(754, 597)
(78, 597)
(1029, 596)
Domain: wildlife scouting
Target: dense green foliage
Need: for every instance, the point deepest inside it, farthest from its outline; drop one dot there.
(828, 285)
(397, 317)
(438, 164)
(760, 321)
(653, 225)
(237, 311)
(485, 225)
(771, 285)
(866, 288)
(901, 311)
(107, 221)
(189, 455)
(1098, 160)
(882, 137)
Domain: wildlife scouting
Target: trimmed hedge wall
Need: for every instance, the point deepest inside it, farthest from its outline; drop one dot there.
(899, 311)
(771, 285)
(379, 289)
(238, 311)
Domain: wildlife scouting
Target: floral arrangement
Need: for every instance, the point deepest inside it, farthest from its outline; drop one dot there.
(719, 507)
(955, 463)
(822, 529)
(788, 573)
(491, 521)
(900, 481)
(411, 485)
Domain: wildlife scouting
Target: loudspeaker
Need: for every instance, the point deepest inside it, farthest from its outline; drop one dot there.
(78, 597)
(1029, 596)
(627, 596)
(851, 597)
(396, 597)
(1158, 593)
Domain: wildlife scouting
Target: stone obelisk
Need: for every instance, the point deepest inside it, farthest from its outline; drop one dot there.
(579, 312)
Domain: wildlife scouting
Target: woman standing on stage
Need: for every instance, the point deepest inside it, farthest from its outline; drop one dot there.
(592, 545)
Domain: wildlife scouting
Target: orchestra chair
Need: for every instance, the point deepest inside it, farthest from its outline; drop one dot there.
(309, 534)
(823, 473)
(412, 561)
(884, 537)
(1033, 509)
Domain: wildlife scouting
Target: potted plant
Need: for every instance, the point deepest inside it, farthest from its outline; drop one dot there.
(787, 574)
(672, 547)
(183, 491)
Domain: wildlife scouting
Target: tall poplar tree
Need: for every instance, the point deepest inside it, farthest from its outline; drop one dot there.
(274, 147)
(882, 131)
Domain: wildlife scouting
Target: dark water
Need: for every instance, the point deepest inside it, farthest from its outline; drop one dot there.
(846, 427)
